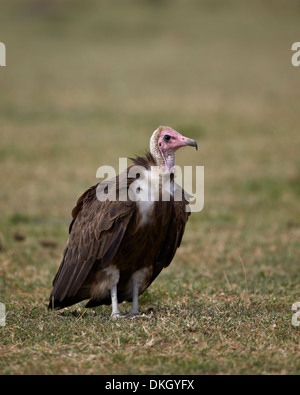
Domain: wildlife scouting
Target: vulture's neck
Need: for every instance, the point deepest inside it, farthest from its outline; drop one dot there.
(165, 163)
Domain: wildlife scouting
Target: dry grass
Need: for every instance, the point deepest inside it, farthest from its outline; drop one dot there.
(86, 84)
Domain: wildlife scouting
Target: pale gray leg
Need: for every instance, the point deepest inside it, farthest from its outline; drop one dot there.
(114, 301)
(135, 300)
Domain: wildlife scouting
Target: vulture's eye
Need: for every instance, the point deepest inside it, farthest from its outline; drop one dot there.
(167, 138)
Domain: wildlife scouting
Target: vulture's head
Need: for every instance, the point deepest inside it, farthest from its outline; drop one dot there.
(163, 144)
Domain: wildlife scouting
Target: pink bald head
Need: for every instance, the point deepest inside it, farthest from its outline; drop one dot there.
(169, 141)
(163, 144)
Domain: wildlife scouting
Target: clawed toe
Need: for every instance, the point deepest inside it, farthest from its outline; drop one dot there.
(116, 316)
(132, 314)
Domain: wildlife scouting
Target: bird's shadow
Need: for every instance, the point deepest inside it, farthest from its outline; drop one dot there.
(83, 313)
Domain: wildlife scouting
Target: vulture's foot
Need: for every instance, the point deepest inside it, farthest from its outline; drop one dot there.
(132, 314)
(116, 316)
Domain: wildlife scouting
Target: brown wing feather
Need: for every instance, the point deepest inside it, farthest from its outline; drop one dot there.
(96, 232)
(178, 220)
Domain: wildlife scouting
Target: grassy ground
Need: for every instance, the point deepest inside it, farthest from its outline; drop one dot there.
(87, 83)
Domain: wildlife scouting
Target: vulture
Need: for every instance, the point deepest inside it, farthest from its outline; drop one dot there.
(117, 247)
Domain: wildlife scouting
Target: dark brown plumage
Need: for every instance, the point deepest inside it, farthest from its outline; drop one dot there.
(116, 249)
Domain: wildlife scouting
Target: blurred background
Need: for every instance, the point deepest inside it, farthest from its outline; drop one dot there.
(87, 82)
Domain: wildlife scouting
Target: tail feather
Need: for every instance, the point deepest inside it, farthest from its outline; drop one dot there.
(58, 304)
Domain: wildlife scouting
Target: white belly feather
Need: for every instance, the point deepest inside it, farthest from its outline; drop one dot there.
(146, 191)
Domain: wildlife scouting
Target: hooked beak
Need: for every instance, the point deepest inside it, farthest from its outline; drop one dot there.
(192, 143)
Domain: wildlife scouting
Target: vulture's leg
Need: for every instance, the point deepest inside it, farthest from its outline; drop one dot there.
(135, 300)
(114, 302)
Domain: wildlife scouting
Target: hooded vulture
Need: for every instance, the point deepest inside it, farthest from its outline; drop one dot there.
(116, 246)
